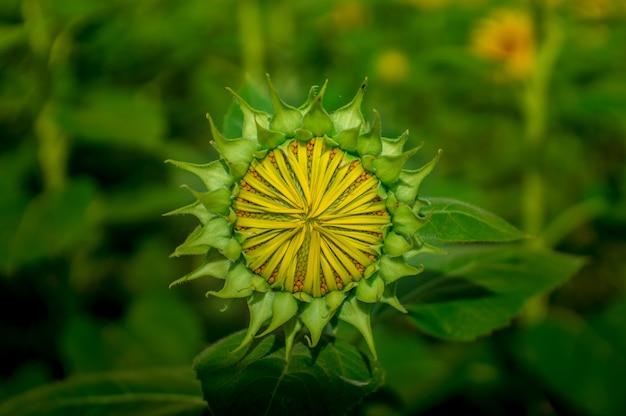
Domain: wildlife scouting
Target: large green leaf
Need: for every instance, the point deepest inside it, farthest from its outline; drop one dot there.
(327, 380)
(478, 289)
(453, 221)
(160, 392)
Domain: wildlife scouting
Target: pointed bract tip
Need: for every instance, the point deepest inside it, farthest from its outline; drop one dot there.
(320, 95)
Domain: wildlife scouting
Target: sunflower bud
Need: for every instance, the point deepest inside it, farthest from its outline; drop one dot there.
(309, 215)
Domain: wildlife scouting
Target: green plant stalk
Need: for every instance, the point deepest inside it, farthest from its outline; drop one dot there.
(535, 104)
(50, 52)
(251, 37)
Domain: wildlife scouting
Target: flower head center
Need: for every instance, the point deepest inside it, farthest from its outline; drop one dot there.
(309, 217)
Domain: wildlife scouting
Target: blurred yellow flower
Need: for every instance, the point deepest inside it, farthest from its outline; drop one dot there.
(507, 37)
(350, 15)
(392, 66)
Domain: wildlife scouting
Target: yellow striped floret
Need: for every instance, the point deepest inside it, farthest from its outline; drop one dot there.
(304, 207)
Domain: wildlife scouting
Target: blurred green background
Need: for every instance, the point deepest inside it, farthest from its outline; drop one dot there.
(94, 95)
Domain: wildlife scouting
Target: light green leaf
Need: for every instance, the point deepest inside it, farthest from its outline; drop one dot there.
(477, 290)
(327, 380)
(454, 221)
(161, 392)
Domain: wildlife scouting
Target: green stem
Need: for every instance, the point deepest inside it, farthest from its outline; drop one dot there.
(251, 37)
(535, 105)
(50, 53)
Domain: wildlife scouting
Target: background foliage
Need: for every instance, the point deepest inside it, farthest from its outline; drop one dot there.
(95, 95)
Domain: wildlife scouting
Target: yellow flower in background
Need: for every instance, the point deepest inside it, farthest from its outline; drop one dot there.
(392, 66)
(507, 37)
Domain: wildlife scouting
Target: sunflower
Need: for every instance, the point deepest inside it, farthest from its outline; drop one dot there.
(310, 216)
(507, 36)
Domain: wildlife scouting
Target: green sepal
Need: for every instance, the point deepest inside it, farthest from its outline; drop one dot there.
(408, 183)
(232, 250)
(251, 117)
(238, 170)
(406, 222)
(238, 284)
(423, 248)
(260, 307)
(260, 154)
(284, 308)
(196, 209)
(388, 168)
(303, 297)
(215, 233)
(218, 233)
(303, 135)
(213, 175)
(315, 315)
(234, 151)
(357, 314)
(216, 201)
(348, 138)
(370, 269)
(286, 118)
(389, 297)
(396, 245)
(194, 244)
(395, 146)
(269, 138)
(259, 284)
(394, 268)
(349, 116)
(334, 299)
(368, 162)
(214, 265)
(304, 108)
(370, 143)
(292, 328)
(391, 202)
(316, 119)
(370, 290)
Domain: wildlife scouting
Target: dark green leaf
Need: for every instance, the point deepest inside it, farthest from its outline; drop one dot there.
(454, 221)
(476, 290)
(149, 392)
(327, 380)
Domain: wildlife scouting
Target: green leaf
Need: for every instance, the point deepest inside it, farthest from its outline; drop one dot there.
(454, 221)
(147, 392)
(327, 380)
(479, 289)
